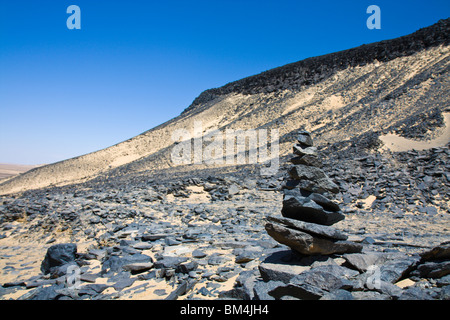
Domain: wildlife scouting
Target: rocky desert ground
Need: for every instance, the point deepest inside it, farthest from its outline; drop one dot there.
(127, 223)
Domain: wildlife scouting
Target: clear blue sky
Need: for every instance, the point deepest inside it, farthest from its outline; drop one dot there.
(136, 64)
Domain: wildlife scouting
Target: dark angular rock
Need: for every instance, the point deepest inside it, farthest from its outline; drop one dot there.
(39, 283)
(14, 284)
(362, 261)
(235, 294)
(153, 237)
(46, 293)
(303, 172)
(313, 179)
(261, 289)
(123, 283)
(313, 284)
(326, 203)
(197, 253)
(414, 293)
(246, 255)
(92, 289)
(392, 266)
(437, 253)
(280, 272)
(169, 262)
(187, 267)
(297, 207)
(170, 241)
(312, 228)
(291, 184)
(390, 289)
(245, 283)
(302, 292)
(304, 138)
(215, 260)
(142, 246)
(138, 267)
(88, 277)
(58, 255)
(307, 151)
(338, 294)
(60, 271)
(445, 293)
(308, 160)
(393, 270)
(444, 281)
(319, 186)
(338, 271)
(308, 244)
(370, 295)
(116, 263)
(432, 269)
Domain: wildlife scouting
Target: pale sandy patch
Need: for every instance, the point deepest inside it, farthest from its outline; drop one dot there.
(198, 195)
(367, 203)
(405, 283)
(400, 144)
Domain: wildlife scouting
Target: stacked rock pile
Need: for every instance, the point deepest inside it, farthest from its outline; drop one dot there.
(307, 212)
(327, 266)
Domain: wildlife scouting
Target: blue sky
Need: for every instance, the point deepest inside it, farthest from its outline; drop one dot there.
(136, 64)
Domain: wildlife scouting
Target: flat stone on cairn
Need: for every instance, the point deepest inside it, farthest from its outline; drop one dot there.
(307, 212)
(306, 153)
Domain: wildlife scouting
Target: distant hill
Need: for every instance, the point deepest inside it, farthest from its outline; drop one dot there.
(9, 170)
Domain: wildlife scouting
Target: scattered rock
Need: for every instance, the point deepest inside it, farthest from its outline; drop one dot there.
(308, 244)
(58, 255)
(138, 267)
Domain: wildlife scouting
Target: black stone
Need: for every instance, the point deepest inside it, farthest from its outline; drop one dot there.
(58, 255)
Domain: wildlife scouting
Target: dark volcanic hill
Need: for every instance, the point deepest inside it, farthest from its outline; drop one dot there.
(345, 99)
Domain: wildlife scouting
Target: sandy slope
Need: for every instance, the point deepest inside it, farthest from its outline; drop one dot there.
(397, 144)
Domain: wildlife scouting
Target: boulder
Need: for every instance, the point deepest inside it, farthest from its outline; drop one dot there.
(303, 172)
(308, 244)
(362, 261)
(309, 151)
(311, 228)
(58, 255)
(280, 272)
(393, 270)
(390, 266)
(312, 179)
(309, 160)
(170, 262)
(437, 253)
(312, 284)
(116, 263)
(304, 138)
(297, 207)
(432, 269)
(138, 267)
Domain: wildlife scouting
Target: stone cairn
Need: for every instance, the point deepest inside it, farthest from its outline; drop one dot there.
(308, 213)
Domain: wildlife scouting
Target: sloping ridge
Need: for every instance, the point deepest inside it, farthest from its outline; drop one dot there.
(288, 96)
(316, 69)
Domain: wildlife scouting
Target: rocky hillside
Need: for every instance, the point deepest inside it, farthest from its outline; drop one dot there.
(360, 212)
(345, 99)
